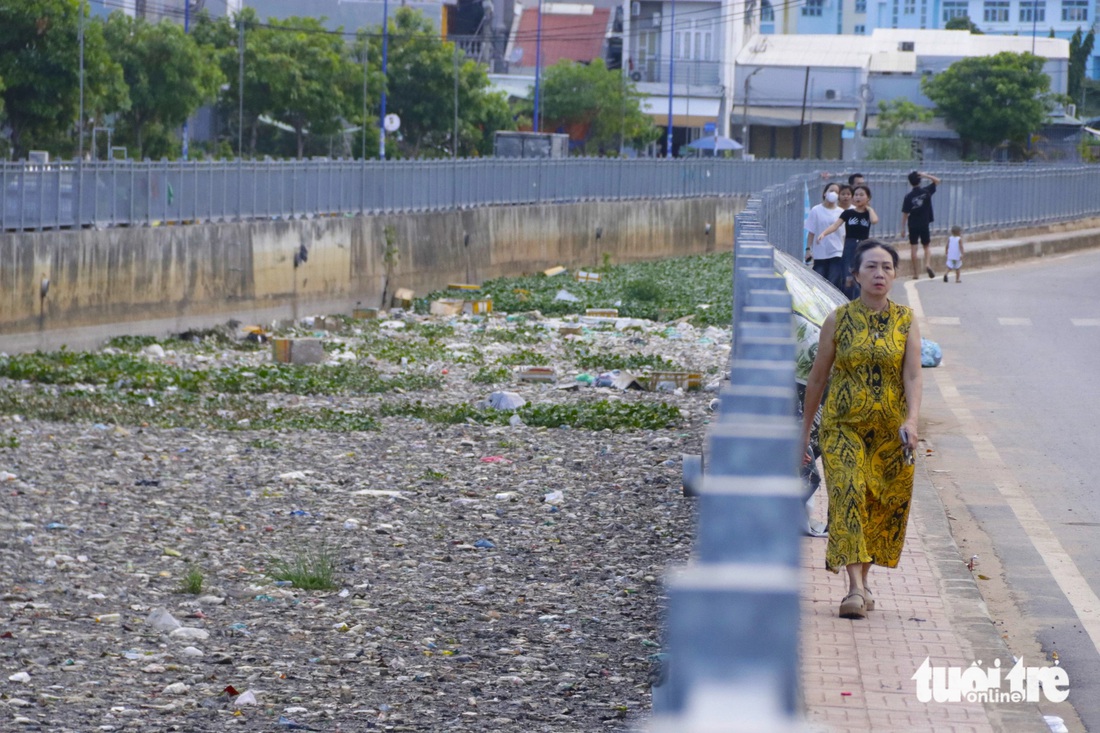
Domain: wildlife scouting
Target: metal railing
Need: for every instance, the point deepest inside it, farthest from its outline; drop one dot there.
(123, 193)
(733, 615)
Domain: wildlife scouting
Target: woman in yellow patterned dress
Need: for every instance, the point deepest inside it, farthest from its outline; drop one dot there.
(869, 356)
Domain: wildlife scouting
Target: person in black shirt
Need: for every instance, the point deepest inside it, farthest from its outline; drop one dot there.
(916, 212)
(857, 222)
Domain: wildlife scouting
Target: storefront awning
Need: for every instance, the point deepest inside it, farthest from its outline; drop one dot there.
(686, 111)
(792, 116)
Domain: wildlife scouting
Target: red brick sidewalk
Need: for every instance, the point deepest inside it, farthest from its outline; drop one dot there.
(857, 675)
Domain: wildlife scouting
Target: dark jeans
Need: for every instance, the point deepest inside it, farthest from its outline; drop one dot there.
(832, 269)
(849, 261)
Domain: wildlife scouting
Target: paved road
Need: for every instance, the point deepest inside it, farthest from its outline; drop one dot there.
(1020, 443)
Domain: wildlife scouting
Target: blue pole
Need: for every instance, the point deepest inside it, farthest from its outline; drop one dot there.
(186, 30)
(671, 69)
(538, 65)
(385, 78)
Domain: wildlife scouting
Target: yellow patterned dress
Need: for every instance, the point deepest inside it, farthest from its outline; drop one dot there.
(870, 483)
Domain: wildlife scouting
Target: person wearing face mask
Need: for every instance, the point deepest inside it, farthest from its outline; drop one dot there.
(828, 253)
(857, 222)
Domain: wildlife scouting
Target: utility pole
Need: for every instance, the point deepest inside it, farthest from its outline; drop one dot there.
(366, 56)
(671, 75)
(538, 65)
(454, 148)
(186, 31)
(80, 118)
(385, 79)
(745, 120)
(240, 83)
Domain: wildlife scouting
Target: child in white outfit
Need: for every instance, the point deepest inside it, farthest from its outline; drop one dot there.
(954, 254)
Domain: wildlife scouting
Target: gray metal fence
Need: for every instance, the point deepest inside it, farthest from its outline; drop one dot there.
(125, 193)
(977, 198)
(733, 615)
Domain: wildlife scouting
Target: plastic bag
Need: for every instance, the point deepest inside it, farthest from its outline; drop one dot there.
(930, 353)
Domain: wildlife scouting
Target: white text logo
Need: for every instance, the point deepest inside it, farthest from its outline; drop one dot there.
(985, 684)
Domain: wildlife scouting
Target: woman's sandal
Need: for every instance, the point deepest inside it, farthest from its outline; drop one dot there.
(853, 606)
(868, 599)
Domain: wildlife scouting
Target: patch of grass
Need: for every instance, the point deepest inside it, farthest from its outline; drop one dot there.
(192, 581)
(309, 567)
(434, 330)
(491, 375)
(431, 474)
(9, 441)
(524, 357)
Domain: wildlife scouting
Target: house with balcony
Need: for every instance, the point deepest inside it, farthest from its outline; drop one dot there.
(681, 55)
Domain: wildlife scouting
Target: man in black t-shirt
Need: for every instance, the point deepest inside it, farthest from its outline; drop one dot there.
(917, 216)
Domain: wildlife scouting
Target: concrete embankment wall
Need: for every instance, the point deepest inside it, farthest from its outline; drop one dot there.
(126, 280)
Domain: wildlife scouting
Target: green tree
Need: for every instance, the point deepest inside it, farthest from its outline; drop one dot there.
(1080, 49)
(992, 99)
(421, 91)
(598, 105)
(309, 76)
(892, 142)
(169, 77)
(39, 63)
(962, 23)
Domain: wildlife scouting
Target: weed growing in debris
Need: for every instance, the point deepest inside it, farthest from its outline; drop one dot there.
(599, 415)
(671, 288)
(9, 441)
(524, 357)
(431, 474)
(192, 581)
(309, 567)
(586, 359)
(491, 375)
(511, 336)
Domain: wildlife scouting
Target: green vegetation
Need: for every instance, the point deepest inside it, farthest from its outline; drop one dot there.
(192, 581)
(636, 362)
(599, 415)
(524, 357)
(491, 375)
(992, 100)
(309, 567)
(682, 283)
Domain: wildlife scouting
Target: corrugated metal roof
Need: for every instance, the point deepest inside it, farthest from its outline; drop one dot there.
(965, 44)
(806, 50)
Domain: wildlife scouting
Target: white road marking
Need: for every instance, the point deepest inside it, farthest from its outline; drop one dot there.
(1085, 321)
(1085, 602)
(1014, 321)
(942, 320)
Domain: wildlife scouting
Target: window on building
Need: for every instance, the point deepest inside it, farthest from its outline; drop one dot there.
(955, 9)
(1033, 12)
(996, 11)
(861, 6)
(1075, 10)
(813, 8)
(767, 12)
(910, 7)
(860, 30)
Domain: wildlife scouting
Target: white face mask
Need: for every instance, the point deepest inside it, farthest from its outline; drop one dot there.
(831, 197)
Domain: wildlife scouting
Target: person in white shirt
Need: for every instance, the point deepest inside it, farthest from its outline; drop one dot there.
(954, 254)
(827, 254)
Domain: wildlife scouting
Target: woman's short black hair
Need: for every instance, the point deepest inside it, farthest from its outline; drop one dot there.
(869, 244)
